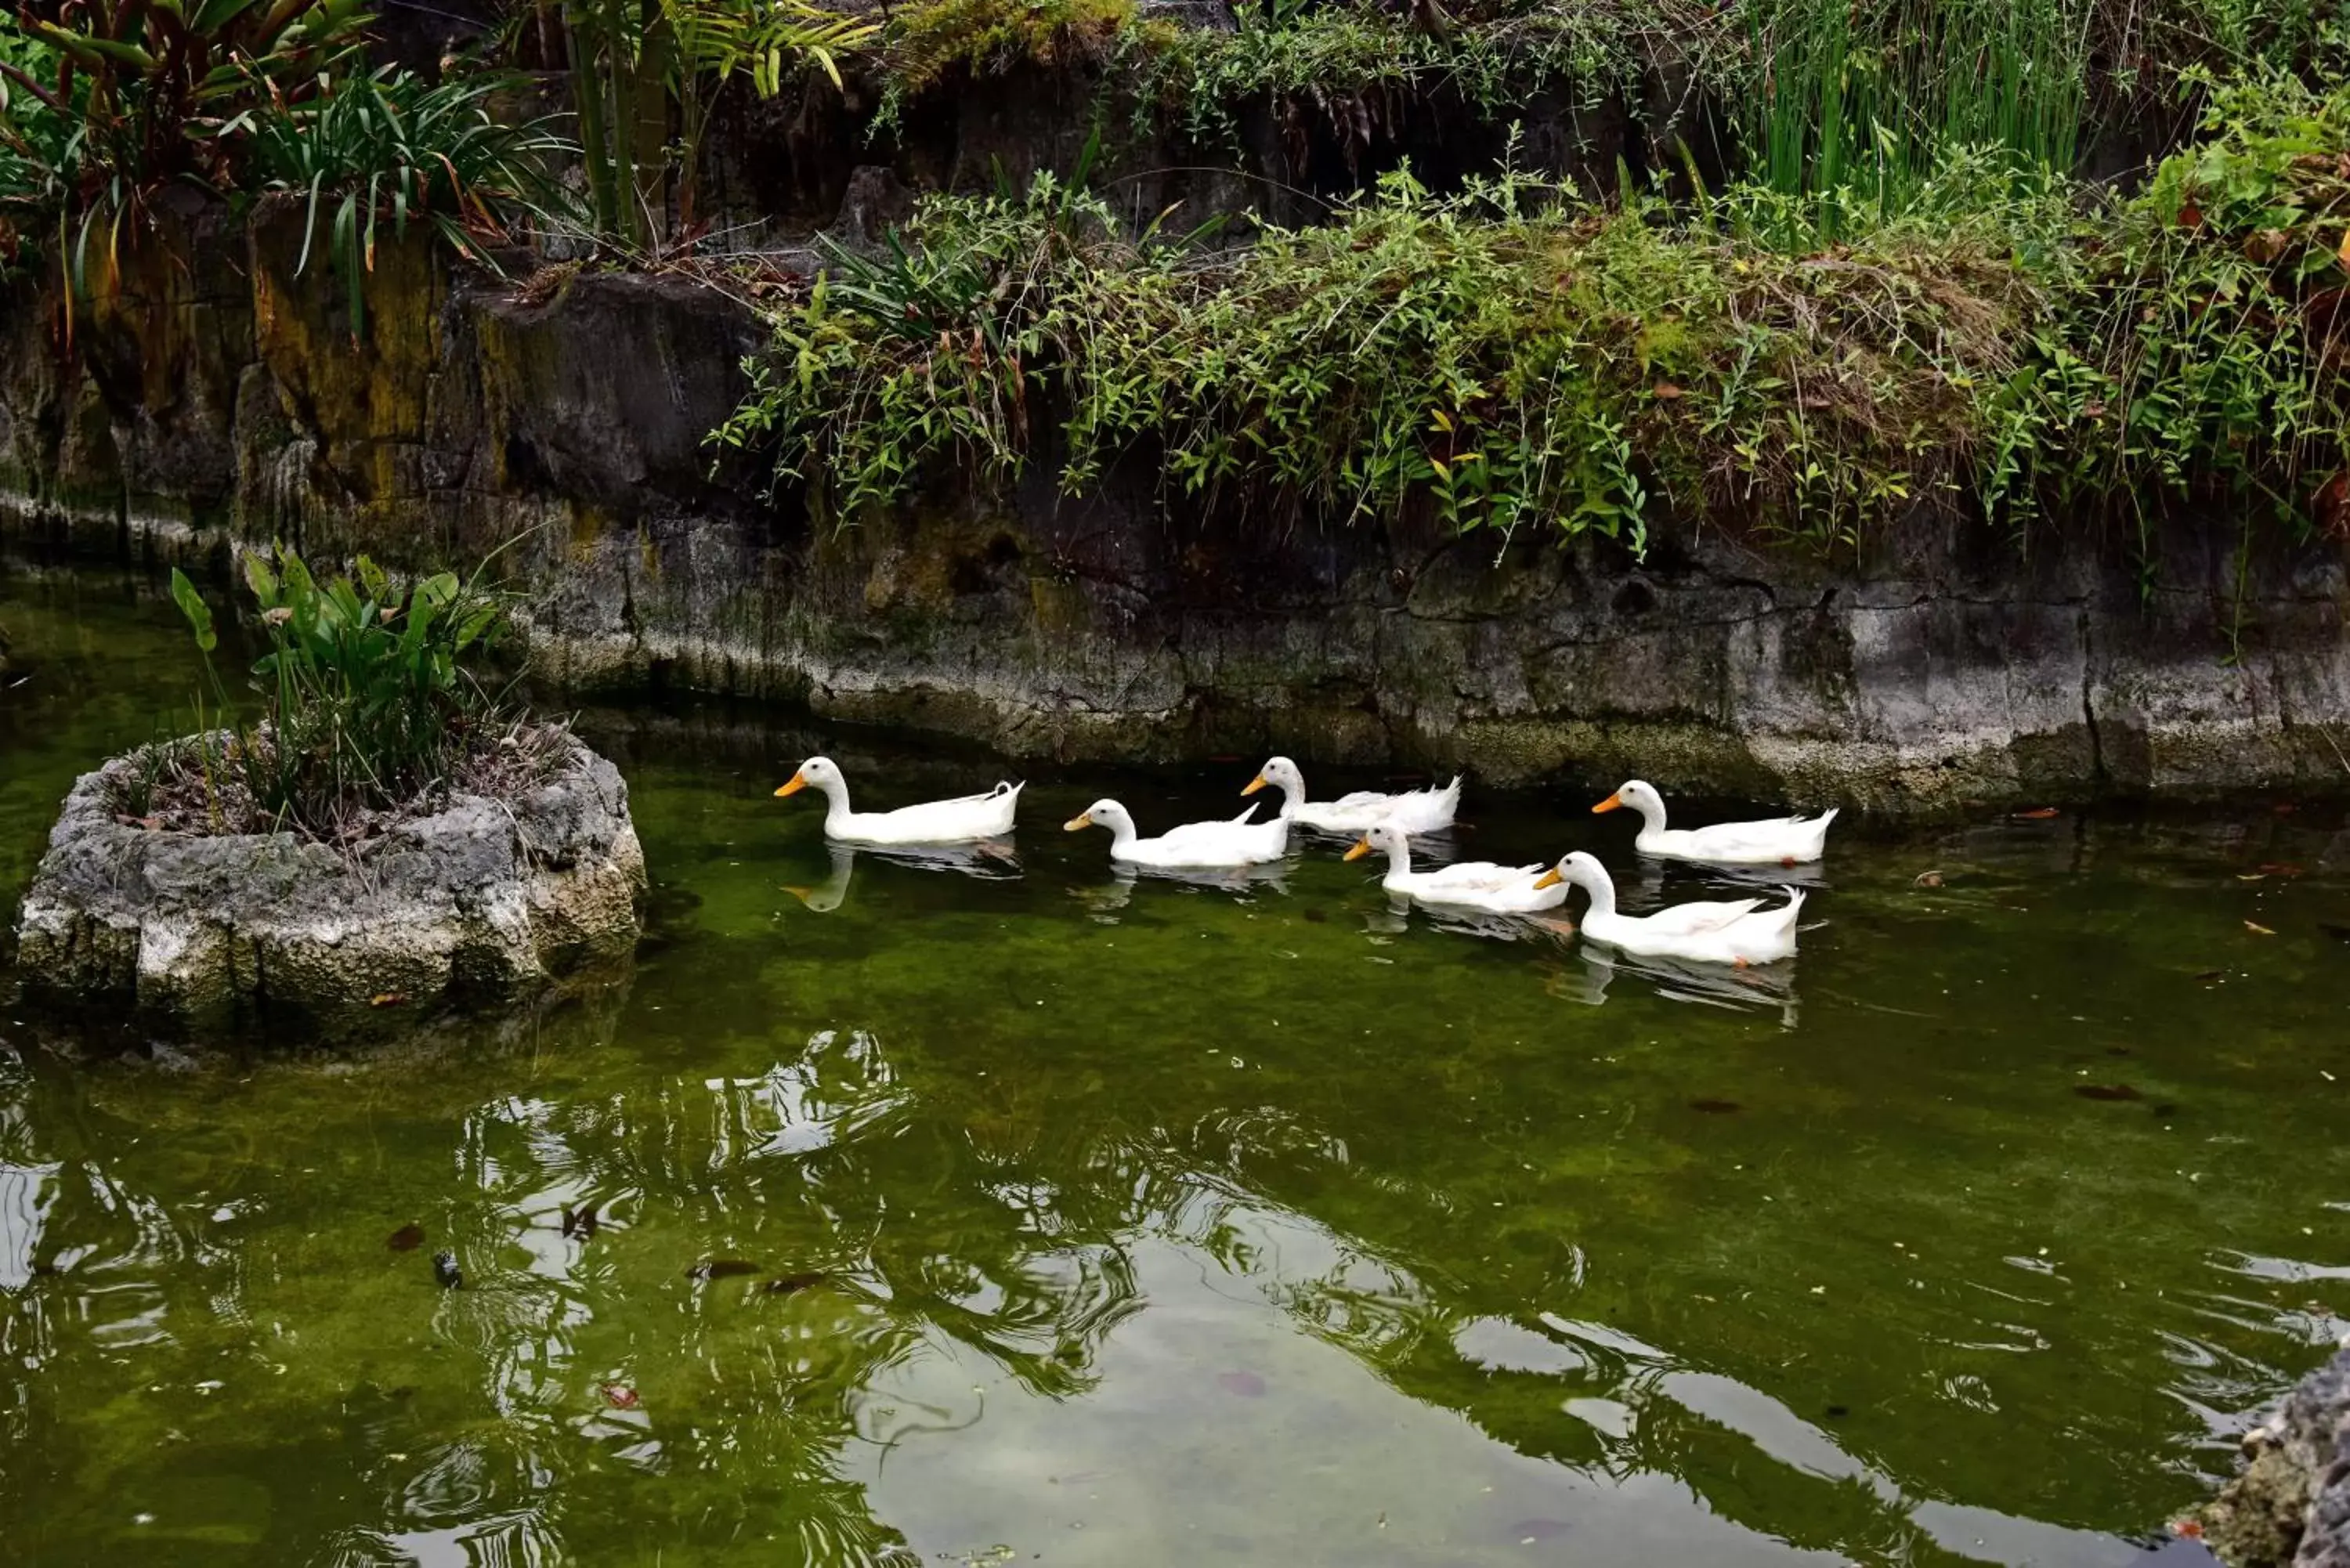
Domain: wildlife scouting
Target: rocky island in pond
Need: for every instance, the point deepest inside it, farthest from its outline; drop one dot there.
(389, 837)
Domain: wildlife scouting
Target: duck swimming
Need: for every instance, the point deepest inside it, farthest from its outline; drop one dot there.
(1733, 930)
(1777, 841)
(955, 821)
(1483, 884)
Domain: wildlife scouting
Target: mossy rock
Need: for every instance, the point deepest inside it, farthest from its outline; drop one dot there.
(483, 903)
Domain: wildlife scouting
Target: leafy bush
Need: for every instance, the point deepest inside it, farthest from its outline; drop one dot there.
(387, 144)
(1509, 353)
(367, 699)
(132, 96)
(1358, 64)
(2203, 344)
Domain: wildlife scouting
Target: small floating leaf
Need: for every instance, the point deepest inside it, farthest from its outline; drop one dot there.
(2258, 930)
(2037, 813)
(407, 1238)
(621, 1397)
(1926, 879)
(387, 999)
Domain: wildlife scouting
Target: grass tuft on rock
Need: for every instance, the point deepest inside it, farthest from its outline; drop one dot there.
(372, 709)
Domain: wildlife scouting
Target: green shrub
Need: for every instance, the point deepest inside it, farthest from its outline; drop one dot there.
(1998, 342)
(367, 694)
(1510, 354)
(369, 147)
(131, 97)
(2202, 344)
(984, 37)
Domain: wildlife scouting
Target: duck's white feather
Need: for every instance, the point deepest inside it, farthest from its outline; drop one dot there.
(956, 821)
(1772, 841)
(1415, 811)
(1485, 885)
(1194, 846)
(1725, 931)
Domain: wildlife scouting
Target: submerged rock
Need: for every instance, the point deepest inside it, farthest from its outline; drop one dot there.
(2290, 1508)
(481, 902)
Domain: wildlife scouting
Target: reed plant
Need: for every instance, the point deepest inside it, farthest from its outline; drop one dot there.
(1858, 107)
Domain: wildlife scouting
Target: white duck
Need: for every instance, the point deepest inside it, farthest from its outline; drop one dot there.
(1195, 845)
(1729, 931)
(956, 821)
(1780, 841)
(1417, 811)
(1471, 884)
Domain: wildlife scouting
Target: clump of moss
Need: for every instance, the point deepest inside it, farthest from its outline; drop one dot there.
(932, 42)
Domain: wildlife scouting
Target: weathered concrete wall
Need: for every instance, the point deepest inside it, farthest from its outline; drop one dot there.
(231, 400)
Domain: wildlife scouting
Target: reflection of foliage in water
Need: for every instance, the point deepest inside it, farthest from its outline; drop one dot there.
(986, 1118)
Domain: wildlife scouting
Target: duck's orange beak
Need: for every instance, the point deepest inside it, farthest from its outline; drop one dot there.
(1084, 819)
(1550, 878)
(799, 782)
(1254, 785)
(1612, 803)
(1362, 847)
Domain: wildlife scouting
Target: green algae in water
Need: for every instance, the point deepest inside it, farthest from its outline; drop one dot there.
(1159, 1222)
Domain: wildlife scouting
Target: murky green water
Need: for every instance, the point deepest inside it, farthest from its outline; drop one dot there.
(1155, 1224)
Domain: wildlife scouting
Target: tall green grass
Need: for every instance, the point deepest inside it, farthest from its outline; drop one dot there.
(1860, 104)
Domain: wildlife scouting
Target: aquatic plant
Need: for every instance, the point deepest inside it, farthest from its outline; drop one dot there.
(370, 695)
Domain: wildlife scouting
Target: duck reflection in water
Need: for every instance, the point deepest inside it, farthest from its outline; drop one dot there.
(1105, 899)
(1764, 987)
(991, 860)
(1397, 916)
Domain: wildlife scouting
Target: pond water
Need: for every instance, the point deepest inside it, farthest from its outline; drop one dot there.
(1008, 1212)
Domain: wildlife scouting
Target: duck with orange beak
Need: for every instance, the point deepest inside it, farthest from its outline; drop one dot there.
(1732, 930)
(1415, 811)
(1485, 885)
(1778, 841)
(962, 820)
(1194, 846)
